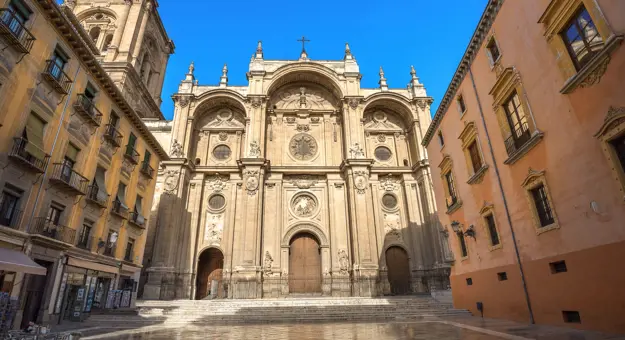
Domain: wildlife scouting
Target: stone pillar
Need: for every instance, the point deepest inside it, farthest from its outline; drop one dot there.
(113, 49)
(144, 22)
(416, 225)
(362, 222)
(246, 257)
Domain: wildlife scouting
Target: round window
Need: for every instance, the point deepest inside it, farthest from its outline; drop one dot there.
(389, 201)
(383, 153)
(216, 202)
(221, 152)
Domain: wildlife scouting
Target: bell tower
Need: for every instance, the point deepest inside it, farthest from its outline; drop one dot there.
(134, 47)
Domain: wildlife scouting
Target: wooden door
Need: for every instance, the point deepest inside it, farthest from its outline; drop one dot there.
(209, 272)
(304, 265)
(398, 270)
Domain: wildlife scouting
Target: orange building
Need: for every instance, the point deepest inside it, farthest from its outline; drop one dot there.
(528, 157)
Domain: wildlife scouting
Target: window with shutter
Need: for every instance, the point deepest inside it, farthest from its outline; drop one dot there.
(33, 133)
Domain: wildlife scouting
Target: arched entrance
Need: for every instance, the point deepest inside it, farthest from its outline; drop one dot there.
(398, 270)
(304, 264)
(209, 274)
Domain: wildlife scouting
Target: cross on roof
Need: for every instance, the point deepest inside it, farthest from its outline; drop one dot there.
(304, 41)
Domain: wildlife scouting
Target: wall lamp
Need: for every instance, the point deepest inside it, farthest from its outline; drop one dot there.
(457, 228)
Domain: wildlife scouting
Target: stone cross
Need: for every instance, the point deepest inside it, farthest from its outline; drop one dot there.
(304, 41)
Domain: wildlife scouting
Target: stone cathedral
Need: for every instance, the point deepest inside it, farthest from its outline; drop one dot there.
(300, 182)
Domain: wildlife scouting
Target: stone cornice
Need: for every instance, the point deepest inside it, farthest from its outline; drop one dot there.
(484, 25)
(60, 19)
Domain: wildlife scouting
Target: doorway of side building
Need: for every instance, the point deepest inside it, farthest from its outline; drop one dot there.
(398, 270)
(304, 264)
(210, 274)
(35, 295)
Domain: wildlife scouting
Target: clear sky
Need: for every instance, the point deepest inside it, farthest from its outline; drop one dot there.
(431, 35)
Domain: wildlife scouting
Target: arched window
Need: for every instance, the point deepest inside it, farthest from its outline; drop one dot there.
(107, 42)
(95, 33)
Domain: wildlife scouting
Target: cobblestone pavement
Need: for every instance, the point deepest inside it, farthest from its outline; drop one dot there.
(444, 329)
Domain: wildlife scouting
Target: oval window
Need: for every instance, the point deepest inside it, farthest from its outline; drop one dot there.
(221, 152)
(216, 202)
(389, 201)
(383, 153)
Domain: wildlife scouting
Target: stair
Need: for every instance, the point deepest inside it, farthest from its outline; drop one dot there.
(302, 309)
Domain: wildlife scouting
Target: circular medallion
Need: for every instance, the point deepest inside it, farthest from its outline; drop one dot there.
(304, 205)
(216, 202)
(252, 183)
(381, 138)
(379, 116)
(382, 153)
(303, 146)
(221, 152)
(360, 182)
(389, 201)
(224, 114)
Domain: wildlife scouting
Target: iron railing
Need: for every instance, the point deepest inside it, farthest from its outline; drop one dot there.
(20, 152)
(63, 174)
(85, 106)
(112, 135)
(119, 209)
(14, 31)
(97, 195)
(55, 75)
(147, 170)
(131, 154)
(136, 219)
(45, 227)
(519, 137)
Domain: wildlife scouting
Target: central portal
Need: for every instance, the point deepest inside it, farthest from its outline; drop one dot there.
(304, 264)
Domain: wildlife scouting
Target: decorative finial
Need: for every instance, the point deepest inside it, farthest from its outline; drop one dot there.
(413, 73)
(382, 82)
(191, 67)
(259, 50)
(414, 85)
(223, 82)
(348, 53)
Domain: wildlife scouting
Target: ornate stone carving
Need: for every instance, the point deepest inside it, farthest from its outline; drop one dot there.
(381, 121)
(290, 120)
(303, 147)
(267, 263)
(218, 183)
(251, 181)
(422, 104)
(356, 151)
(392, 227)
(184, 101)
(297, 97)
(594, 77)
(389, 183)
(304, 181)
(315, 120)
(339, 185)
(304, 205)
(254, 150)
(127, 167)
(176, 149)
(381, 138)
(303, 127)
(213, 231)
(223, 136)
(353, 103)
(256, 102)
(343, 262)
(170, 183)
(360, 181)
(224, 118)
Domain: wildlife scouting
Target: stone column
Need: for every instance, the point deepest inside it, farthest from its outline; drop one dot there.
(113, 49)
(416, 226)
(144, 22)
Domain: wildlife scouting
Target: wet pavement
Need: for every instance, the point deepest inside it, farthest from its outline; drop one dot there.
(444, 329)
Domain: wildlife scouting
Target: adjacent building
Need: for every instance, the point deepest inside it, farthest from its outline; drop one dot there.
(528, 159)
(77, 164)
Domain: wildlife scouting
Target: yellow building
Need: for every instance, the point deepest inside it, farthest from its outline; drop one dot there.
(77, 164)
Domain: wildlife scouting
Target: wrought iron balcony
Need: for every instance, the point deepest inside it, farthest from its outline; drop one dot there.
(14, 31)
(29, 155)
(44, 227)
(147, 170)
(518, 138)
(57, 78)
(85, 107)
(119, 209)
(131, 154)
(112, 135)
(97, 196)
(69, 179)
(137, 219)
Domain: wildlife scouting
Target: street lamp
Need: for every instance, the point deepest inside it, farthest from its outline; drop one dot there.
(470, 232)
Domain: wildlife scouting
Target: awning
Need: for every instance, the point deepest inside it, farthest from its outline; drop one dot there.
(91, 265)
(16, 261)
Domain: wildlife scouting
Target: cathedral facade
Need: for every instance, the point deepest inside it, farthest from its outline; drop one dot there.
(300, 182)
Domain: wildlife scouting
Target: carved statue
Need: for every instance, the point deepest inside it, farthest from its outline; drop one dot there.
(343, 262)
(267, 263)
(304, 206)
(356, 151)
(302, 97)
(254, 149)
(176, 149)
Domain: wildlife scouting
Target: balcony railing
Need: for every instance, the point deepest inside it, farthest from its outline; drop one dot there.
(131, 154)
(119, 209)
(85, 106)
(14, 31)
(68, 178)
(27, 154)
(137, 219)
(147, 170)
(109, 249)
(59, 80)
(85, 243)
(112, 135)
(97, 196)
(11, 219)
(519, 137)
(44, 227)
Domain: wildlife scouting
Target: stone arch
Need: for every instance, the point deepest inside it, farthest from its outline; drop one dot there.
(393, 101)
(396, 244)
(305, 72)
(305, 228)
(209, 273)
(217, 98)
(91, 11)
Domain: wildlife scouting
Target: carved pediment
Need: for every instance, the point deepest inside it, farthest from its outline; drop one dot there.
(307, 97)
(382, 121)
(224, 118)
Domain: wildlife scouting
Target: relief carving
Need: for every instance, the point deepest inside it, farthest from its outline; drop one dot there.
(389, 183)
(213, 231)
(254, 150)
(218, 183)
(303, 147)
(297, 97)
(176, 150)
(171, 181)
(267, 263)
(360, 181)
(304, 181)
(392, 227)
(356, 151)
(251, 181)
(343, 262)
(304, 205)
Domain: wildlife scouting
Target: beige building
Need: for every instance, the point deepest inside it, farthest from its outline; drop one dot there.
(77, 164)
(300, 181)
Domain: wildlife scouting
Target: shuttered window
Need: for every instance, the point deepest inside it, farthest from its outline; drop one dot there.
(33, 132)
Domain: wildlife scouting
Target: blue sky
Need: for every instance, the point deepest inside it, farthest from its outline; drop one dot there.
(431, 35)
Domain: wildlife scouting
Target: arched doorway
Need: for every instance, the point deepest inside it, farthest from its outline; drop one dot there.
(304, 264)
(209, 274)
(398, 270)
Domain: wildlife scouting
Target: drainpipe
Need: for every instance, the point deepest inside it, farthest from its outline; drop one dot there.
(505, 202)
(56, 138)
